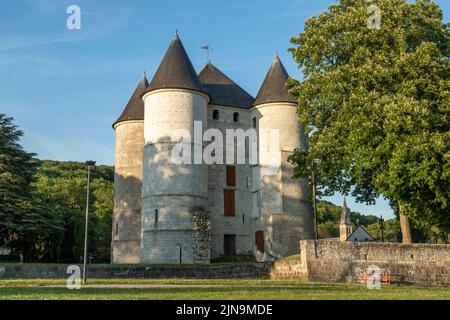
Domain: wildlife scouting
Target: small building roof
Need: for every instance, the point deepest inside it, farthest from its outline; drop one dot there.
(273, 88)
(176, 70)
(360, 235)
(134, 109)
(223, 90)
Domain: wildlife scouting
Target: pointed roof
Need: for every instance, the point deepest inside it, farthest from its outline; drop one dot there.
(223, 90)
(345, 214)
(134, 109)
(360, 235)
(273, 88)
(176, 70)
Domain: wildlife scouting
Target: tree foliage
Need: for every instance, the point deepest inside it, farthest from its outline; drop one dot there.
(42, 203)
(376, 105)
(25, 224)
(328, 216)
(62, 187)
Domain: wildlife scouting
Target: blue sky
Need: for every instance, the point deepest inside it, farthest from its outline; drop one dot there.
(66, 87)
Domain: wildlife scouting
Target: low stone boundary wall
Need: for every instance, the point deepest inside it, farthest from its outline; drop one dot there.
(322, 260)
(289, 269)
(231, 271)
(330, 260)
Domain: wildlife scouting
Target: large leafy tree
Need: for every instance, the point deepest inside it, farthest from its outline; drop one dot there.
(376, 105)
(25, 225)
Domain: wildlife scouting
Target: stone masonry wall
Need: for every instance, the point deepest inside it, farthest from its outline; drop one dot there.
(280, 193)
(126, 231)
(45, 271)
(201, 236)
(171, 190)
(330, 260)
(242, 224)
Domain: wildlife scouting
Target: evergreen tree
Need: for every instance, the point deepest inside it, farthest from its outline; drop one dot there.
(23, 222)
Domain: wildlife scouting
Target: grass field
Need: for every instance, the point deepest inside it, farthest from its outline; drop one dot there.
(187, 289)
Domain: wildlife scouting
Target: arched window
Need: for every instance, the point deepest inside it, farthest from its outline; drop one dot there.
(156, 216)
(254, 122)
(216, 114)
(235, 117)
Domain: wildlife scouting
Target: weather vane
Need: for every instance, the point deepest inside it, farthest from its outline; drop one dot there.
(208, 51)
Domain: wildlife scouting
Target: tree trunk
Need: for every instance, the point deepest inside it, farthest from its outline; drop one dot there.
(404, 225)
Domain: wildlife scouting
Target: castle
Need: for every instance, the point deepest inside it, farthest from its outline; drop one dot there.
(166, 212)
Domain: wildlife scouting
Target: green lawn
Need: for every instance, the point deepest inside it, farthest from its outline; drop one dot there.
(185, 289)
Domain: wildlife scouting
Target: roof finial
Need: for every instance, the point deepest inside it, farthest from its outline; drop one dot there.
(276, 59)
(176, 34)
(144, 75)
(208, 52)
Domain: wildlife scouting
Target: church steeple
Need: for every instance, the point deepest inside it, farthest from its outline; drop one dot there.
(345, 214)
(134, 109)
(273, 88)
(176, 70)
(345, 224)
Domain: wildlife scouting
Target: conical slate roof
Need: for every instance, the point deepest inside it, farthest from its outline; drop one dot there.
(135, 106)
(176, 70)
(222, 90)
(273, 88)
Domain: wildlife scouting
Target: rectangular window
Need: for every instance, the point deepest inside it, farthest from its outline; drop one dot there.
(254, 122)
(228, 201)
(255, 204)
(231, 176)
(255, 178)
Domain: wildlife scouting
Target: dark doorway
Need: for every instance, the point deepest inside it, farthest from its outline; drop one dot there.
(259, 240)
(229, 244)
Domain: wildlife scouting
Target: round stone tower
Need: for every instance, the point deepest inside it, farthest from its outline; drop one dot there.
(126, 233)
(285, 208)
(172, 193)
